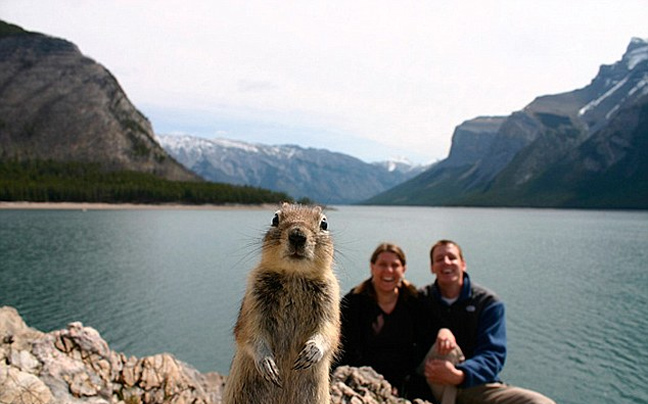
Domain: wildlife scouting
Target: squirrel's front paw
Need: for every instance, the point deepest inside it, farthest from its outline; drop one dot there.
(268, 369)
(309, 355)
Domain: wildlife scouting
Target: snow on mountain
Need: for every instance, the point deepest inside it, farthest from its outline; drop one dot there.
(401, 164)
(616, 86)
(637, 52)
(595, 103)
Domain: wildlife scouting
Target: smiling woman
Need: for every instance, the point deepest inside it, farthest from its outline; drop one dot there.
(379, 322)
(388, 267)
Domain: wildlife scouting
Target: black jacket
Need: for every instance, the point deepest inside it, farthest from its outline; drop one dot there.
(389, 343)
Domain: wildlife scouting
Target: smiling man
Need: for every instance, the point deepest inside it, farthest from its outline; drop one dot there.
(475, 316)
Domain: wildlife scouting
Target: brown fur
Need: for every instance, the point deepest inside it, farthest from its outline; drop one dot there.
(288, 327)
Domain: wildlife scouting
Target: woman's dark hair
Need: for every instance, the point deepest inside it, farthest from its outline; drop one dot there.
(388, 247)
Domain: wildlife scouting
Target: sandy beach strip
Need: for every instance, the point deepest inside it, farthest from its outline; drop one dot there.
(84, 206)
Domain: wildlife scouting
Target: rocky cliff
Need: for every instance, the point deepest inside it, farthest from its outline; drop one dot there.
(472, 140)
(57, 104)
(76, 366)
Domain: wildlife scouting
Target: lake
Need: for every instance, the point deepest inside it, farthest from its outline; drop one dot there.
(150, 281)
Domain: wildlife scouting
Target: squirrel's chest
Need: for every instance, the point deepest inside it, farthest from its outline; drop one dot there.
(291, 301)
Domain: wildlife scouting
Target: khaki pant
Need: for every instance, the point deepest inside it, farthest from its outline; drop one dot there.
(489, 393)
(500, 393)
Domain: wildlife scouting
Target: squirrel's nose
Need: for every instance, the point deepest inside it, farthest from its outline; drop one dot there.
(297, 238)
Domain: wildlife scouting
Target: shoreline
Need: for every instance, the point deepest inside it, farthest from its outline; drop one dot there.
(85, 206)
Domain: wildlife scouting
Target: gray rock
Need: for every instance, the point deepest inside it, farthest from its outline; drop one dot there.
(18, 387)
(75, 365)
(351, 385)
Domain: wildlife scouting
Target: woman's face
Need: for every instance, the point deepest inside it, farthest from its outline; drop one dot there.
(387, 272)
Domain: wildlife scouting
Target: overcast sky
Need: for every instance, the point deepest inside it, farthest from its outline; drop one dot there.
(373, 79)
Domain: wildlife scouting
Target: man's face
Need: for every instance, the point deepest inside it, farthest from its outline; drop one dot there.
(447, 265)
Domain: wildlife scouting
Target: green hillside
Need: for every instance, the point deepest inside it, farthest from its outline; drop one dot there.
(49, 181)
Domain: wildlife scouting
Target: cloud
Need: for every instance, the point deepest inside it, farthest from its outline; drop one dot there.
(255, 86)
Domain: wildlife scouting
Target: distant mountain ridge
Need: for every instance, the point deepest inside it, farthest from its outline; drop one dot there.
(580, 149)
(317, 174)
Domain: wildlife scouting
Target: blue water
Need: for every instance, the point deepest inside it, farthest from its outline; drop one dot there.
(574, 282)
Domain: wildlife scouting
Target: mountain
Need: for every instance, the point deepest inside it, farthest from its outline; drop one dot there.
(317, 174)
(578, 149)
(57, 104)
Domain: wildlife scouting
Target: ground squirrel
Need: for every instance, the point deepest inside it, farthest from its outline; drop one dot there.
(288, 328)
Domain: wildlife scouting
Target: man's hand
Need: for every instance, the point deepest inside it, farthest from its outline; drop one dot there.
(445, 342)
(440, 371)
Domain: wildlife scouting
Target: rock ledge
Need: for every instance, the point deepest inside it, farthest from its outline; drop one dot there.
(76, 366)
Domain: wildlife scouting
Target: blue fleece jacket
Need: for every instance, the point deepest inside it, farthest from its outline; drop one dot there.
(478, 322)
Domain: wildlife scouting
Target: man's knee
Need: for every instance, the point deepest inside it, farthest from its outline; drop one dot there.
(499, 393)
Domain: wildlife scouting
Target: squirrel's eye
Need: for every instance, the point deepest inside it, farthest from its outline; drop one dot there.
(275, 220)
(324, 224)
